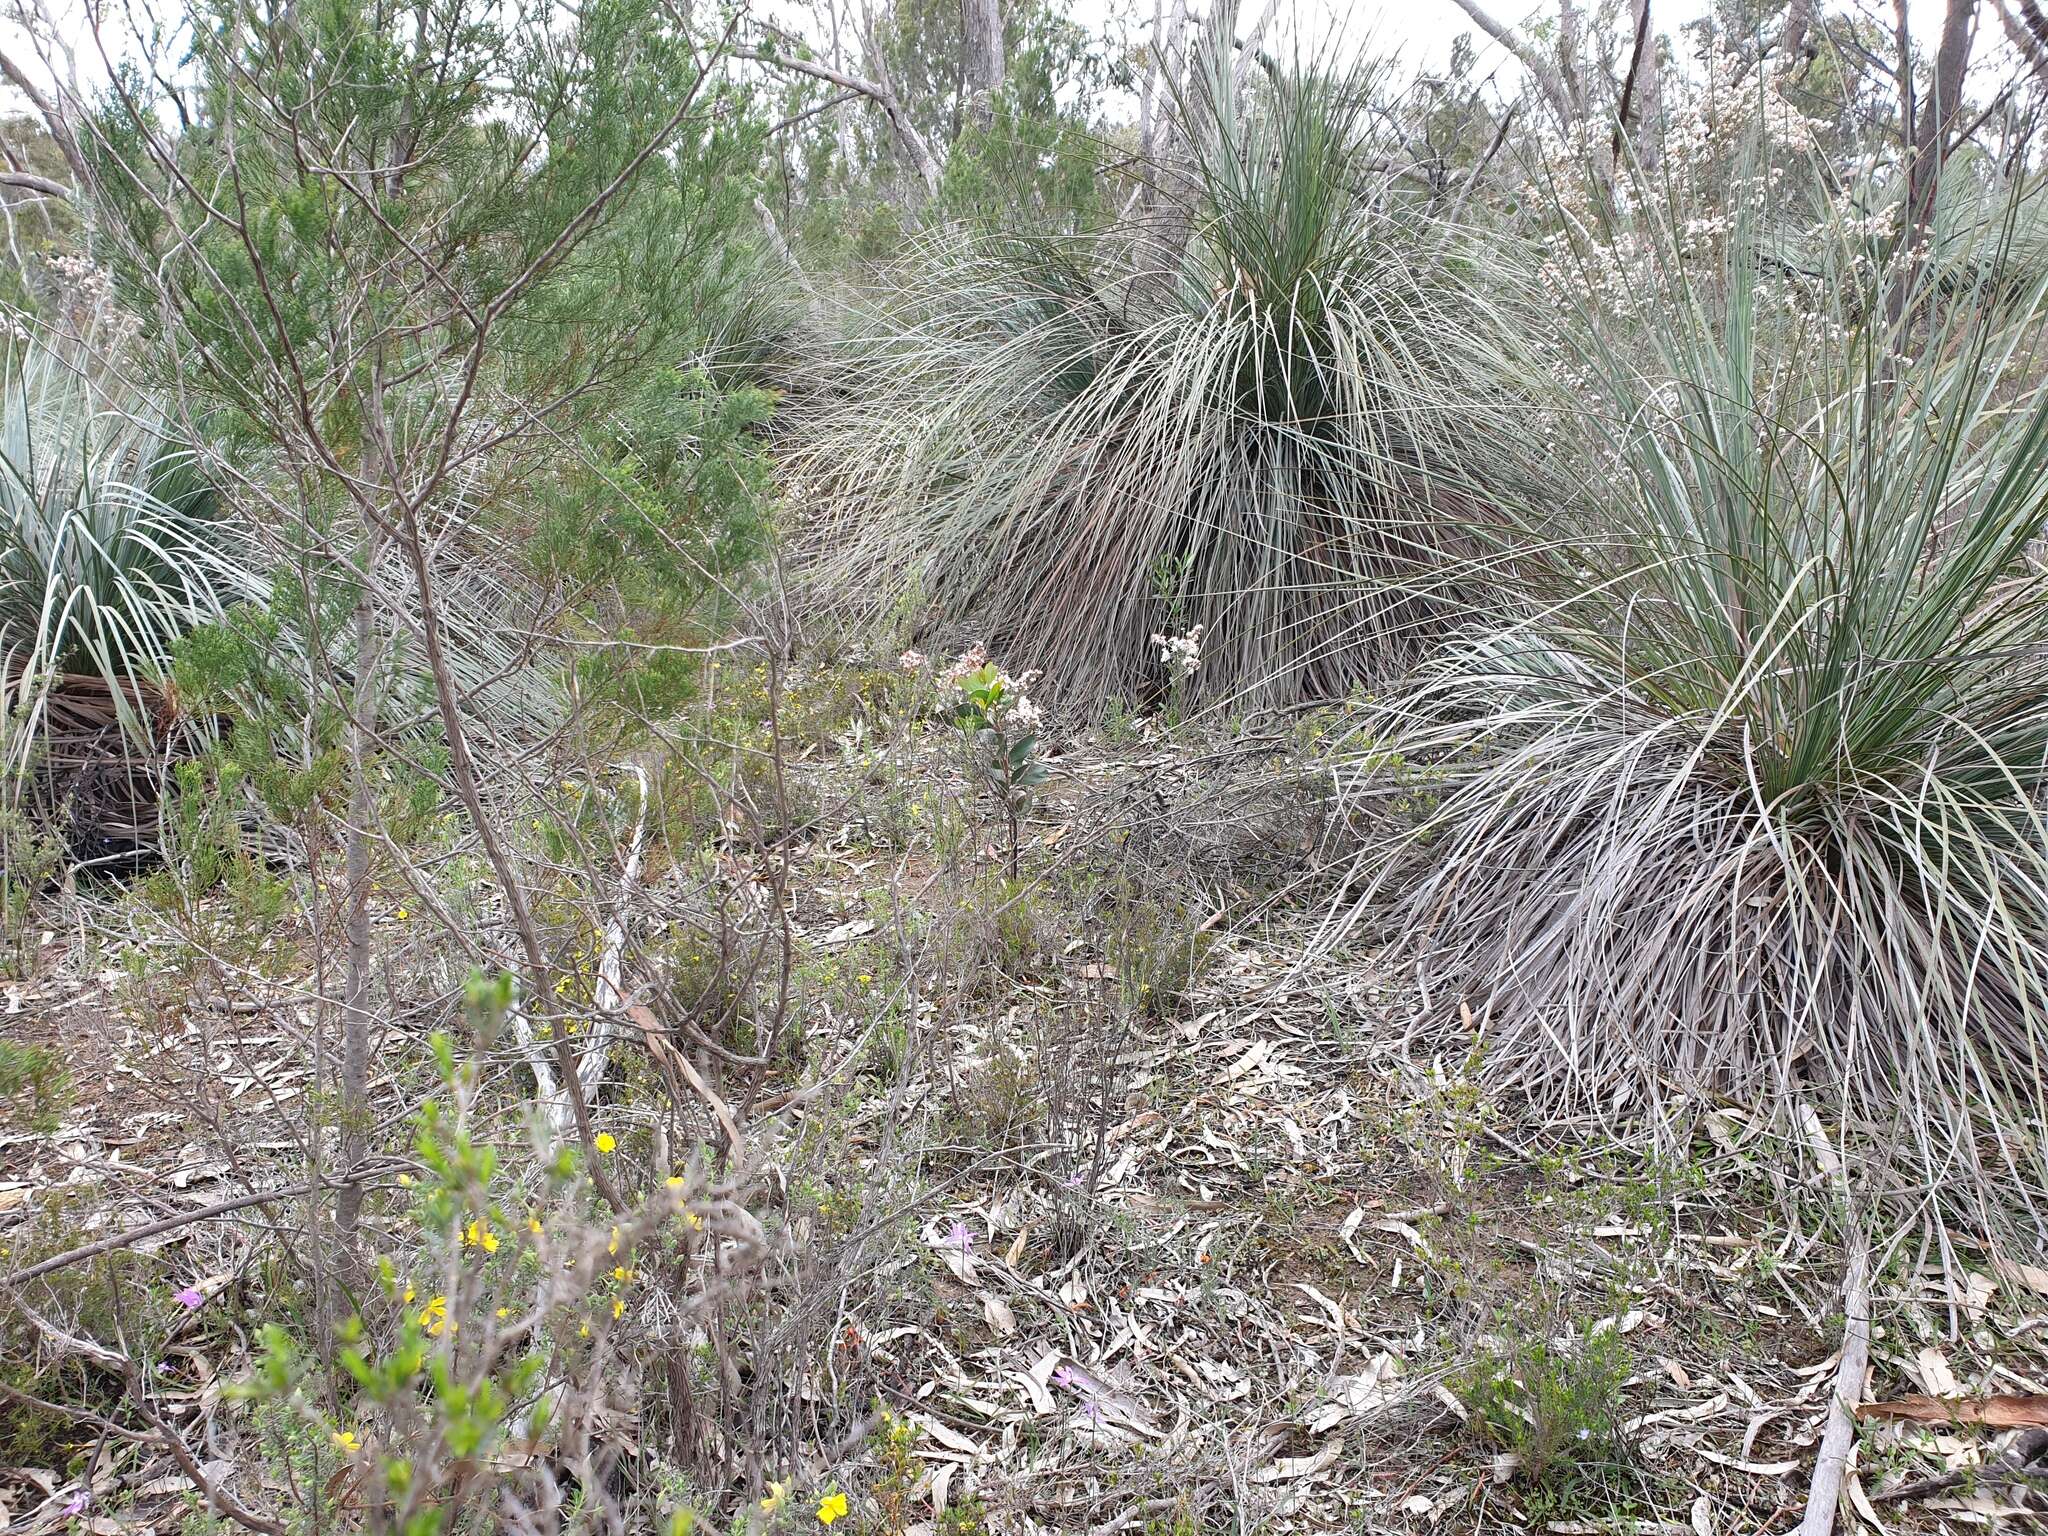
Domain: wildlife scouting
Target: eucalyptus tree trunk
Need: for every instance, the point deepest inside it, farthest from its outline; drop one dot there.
(1927, 129)
(1639, 116)
(1649, 112)
(1571, 59)
(1792, 37)
(981, 58)
(1933, 134)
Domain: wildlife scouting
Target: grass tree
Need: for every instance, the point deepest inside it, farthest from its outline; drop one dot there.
(1278, 431)
(112, 546)
(396, 260)
(1752, 803)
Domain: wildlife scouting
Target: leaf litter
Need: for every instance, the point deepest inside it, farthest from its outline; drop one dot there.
(1261, 1296)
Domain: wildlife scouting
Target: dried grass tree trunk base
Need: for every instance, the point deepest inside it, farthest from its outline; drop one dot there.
(1831, 1466)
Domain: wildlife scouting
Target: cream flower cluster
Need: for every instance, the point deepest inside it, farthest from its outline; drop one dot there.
(1181, 654)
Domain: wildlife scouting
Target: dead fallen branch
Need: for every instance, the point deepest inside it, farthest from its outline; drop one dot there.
(133, 1235)
(2023, 1466)
(1839, 1439)
(552, 1078)
(151, 1229)
(217, 1498)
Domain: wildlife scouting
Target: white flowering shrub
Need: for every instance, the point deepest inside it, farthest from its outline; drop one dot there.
(1738, 162)
(1181, 657)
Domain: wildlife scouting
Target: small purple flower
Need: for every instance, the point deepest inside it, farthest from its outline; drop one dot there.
(1074, 1179)
(77, 1504)
(1092, 1412)
(190, 1298)
(1066, 1376)
(960, 1237)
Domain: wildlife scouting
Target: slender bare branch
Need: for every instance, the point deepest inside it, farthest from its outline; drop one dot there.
(914, 143)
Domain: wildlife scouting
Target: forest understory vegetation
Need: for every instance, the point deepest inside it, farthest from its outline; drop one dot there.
(962, 769)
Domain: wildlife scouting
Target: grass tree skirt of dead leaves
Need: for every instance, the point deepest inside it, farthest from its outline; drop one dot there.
(98, 768)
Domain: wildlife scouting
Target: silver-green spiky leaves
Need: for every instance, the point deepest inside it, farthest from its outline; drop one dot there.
(110, 548)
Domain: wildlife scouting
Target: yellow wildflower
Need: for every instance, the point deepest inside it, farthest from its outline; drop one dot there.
(434, 1316)
(778, 1495)
(346, 1442)
(606, 1142)
(618, 1308)
(831, 1507)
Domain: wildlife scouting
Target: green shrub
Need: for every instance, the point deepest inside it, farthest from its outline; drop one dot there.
(1156, 948)
(33, 1084)
(478, 1348)
(30, 856)
(1555, 1406)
